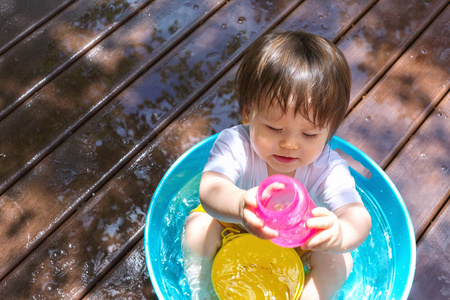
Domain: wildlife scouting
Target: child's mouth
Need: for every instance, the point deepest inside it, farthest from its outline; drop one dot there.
(284, 159)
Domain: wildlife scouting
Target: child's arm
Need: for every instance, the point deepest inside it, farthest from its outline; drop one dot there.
(223, 200)
(341, 231)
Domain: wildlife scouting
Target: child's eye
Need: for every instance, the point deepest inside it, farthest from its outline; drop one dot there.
(310, 136)
(277, 130)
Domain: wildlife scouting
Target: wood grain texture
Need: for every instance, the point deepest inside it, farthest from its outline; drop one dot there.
(92, 129)
(421, 170)
(32, 62)
(432, 280)
(65, 103)
(403, 98)
(19, 18)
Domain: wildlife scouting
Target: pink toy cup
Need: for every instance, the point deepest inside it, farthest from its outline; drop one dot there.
(286, 210)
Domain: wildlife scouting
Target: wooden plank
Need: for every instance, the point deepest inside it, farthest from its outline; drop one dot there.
(151, 37)
(383, 34)
(421, 170)
(81, 90)
(432, 280)
(100, 249)
(34, 61)
(329, 19)
(402, 99)
(135, 285)
(19, 18)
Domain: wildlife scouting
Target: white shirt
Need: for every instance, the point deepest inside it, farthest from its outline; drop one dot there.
(328, 179)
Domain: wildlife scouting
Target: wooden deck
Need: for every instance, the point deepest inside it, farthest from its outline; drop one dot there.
(98, 99)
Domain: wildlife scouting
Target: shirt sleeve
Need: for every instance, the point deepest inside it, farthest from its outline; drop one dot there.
(336, 187)
(227, 155)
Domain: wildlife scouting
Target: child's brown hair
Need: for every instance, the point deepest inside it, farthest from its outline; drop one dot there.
(299, 69)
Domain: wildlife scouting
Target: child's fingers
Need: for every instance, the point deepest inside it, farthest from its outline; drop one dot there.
(256, 226)
(324, 240)
(276, 186)
(317, 242)
(269, 233)
(250, 198)
(322, 218)
(320, 212)
(251, 219)
(320, 223)
(329, 235)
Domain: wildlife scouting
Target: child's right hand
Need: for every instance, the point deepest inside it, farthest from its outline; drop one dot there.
(251, 222)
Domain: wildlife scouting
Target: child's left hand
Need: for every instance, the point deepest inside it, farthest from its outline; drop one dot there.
(329, 235)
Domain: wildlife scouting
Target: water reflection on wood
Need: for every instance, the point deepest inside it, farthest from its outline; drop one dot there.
(80, 159)
(19, 18)
(88, 85)
(56, 45)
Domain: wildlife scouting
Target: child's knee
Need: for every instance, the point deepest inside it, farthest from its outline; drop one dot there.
(328, 273)
(348, 263)
(338, 266)
(202, 234)
(343, 265)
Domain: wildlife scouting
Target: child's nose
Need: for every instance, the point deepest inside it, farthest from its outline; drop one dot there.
(289, 144)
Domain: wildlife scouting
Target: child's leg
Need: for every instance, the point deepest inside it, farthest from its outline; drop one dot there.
(328, 273)
(203, 234)
(200, 240)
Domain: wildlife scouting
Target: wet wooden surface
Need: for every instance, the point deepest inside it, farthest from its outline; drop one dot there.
(99, 98)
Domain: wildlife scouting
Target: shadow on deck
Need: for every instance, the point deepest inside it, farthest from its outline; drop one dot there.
(99, 98)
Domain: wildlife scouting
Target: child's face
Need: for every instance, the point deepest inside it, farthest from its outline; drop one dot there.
(284, 141)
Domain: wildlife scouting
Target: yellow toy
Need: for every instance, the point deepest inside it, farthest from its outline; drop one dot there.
(247, 267)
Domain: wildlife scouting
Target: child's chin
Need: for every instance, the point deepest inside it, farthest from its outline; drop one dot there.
(285, 171)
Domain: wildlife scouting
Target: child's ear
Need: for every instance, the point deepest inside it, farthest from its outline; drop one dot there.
(245, 115)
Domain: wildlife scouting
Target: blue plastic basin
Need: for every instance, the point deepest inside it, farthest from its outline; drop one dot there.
(378, 186)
